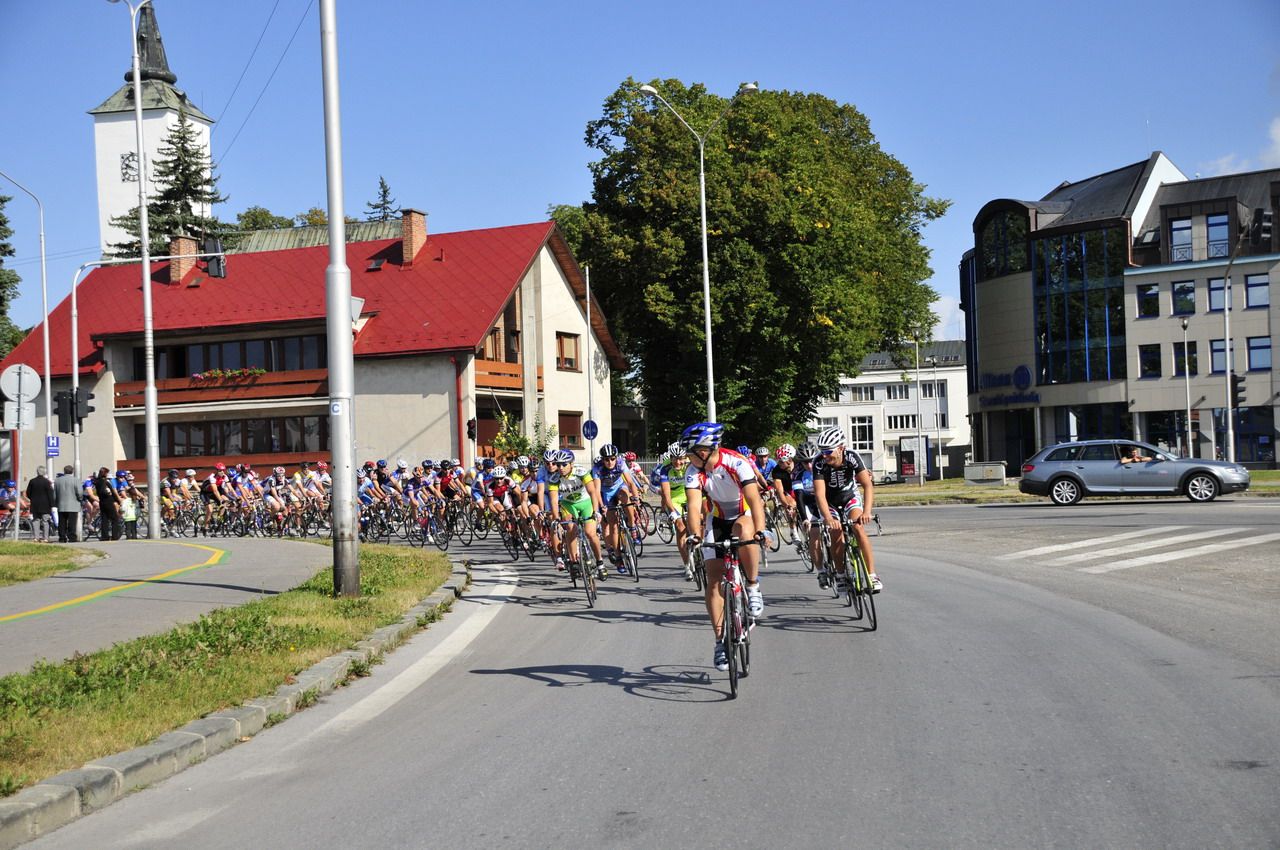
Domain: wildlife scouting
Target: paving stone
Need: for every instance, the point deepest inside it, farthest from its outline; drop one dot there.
(249, 719)
(53, 806)
(218, 733)
(97, 786)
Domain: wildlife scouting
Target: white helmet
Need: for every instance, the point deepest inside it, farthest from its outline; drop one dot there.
(499, 472)
(832, 438)
(786, 451)
(402, 464)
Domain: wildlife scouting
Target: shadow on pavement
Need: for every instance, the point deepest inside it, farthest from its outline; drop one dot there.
(258, 591)
(660, 682)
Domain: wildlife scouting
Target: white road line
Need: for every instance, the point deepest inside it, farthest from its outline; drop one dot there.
(1210, 549)
(1138, 547)
(1062, 547)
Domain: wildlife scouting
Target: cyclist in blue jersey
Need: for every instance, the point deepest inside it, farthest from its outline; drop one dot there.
(615, 488)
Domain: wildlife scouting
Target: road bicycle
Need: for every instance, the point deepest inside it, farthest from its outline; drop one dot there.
(737, 622)
(861, 595)
(579, 571)
(630, 543)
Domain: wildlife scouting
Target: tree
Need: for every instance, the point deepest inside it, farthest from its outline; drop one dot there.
(10, 334)
(261, 218)
(384, 208)
(314, 217)
(814, 241)
(186, 191)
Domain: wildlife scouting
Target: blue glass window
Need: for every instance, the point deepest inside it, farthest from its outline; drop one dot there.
(1184, 297)
(1257, 291)
(1219, 237)
(1259, 353)
(1180, 240)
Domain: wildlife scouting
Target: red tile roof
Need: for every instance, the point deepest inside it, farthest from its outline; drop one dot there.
(447, 300)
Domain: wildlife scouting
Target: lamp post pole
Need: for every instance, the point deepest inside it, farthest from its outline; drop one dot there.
(1186, 380)
(920, 452)
(937, 413)
(702, 199)
(591, 378)
(44, 301)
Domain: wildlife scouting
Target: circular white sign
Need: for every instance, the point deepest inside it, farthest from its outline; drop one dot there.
(20, 383)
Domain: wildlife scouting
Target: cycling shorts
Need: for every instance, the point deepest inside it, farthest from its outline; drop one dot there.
(579, 509)
(680, 500)
(718, 531)
(610, 496)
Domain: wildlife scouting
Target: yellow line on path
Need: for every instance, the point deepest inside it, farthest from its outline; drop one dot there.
(80, 600)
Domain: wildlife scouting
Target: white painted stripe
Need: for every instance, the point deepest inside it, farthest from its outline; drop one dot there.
(1138, 547)
(424, 668)
(1095, 541)
(1211, 549)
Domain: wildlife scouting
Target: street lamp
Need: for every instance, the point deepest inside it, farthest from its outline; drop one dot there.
(148, 334)
(1186, 379)
(919, 424)
(937, 412)
(44, 300)
(702, 194)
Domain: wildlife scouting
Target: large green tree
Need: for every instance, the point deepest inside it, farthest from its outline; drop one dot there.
(10, 334)
(815, 251)
(186, 192)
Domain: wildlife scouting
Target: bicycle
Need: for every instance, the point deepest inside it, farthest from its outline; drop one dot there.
(737, 622)
(629, 548)
(574, 564)
(858, 582)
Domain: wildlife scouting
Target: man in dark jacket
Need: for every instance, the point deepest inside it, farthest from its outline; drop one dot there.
(69, 496)
(40, 494)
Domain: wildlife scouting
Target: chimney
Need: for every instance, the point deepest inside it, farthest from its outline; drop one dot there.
(413, 234)
(181, 246)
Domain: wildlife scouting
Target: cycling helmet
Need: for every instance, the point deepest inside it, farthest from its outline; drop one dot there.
(564, 456)
(191, 472)
(11, 484)
(832, 438)
(173, 473)
(360, 473)
(608, 450)
(702, 435)
(763, 451)
(806, 452)
(786, 451)
(279, 470)
(322, 466)
(402, 464)
(488, 463)
(549, 456)
(120, 474)
(446, 464)
(745, 451)
(382, 464)
(674, 448)
(428, 464)
(523, 461)
(456, 462)
(630, 456)
(499, 472)
(368, 464)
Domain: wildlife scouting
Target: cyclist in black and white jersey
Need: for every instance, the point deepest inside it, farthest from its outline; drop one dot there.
(836, 477)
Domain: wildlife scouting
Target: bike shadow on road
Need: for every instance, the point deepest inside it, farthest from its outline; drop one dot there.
(256, 591)
(668, 683)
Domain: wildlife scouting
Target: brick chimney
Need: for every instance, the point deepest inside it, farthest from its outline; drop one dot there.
(178, 269)
(413, 234)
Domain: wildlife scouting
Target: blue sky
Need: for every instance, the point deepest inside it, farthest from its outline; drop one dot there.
(476, 114)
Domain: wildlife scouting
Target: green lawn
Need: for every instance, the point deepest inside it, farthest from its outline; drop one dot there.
(21, 562)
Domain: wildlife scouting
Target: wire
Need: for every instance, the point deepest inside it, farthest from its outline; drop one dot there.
(245, 70)
(265, 86)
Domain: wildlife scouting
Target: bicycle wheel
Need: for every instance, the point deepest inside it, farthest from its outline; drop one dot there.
(864, 583)
(510, 541)
(666, 529)
(461, 525)
(636, 534)
(699, 570)
(857, 580)
(773, 522)
(744, 637)
(589, 583)
(480, 521)
(727, 637)
(629, 556)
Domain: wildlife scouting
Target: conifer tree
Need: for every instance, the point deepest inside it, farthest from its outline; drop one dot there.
(384, 208)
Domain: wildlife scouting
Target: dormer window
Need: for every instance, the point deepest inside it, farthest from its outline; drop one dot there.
(1180, 240)
(1219, 235)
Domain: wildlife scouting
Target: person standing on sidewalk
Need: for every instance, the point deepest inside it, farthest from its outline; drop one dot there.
(67, 489)
(40, 495)
(109, 504)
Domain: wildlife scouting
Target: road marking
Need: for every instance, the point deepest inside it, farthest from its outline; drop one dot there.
(425, 667)
(1210, 549)
(89, 597)
(1138, 547)
(1114, 538)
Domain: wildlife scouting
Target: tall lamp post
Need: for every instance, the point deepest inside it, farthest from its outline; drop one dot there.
(702, 194)
(937, 412)
(1186, 380)
(44, 300)
(150, 402)
(922, 458)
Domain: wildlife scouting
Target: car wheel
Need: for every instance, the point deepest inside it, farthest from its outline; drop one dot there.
(1202, 487)
(1065, 491)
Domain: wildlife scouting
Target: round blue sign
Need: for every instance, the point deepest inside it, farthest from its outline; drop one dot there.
(590, 429)
(1022, 378)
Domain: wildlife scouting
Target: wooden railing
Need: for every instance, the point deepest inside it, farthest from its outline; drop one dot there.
(498, 375)
(298, 382)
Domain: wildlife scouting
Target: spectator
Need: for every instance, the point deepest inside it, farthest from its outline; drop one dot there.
(109, 504)
(129, 513)
(40, 495)
(69, 497)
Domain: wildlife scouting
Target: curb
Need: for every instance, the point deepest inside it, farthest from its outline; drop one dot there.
(58, 800)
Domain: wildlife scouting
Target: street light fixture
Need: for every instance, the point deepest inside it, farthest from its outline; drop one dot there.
(745, 88)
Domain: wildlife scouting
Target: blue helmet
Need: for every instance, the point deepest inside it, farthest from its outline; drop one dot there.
(564, 456)
(745, 451)
(702, 435)
(428, 464)
(549, 456)
(382, 464)
(488, 463)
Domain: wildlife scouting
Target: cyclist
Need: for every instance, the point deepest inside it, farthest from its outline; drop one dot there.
(727, 481)
(780, 477)
(213, 491)
(836, 476)
(571, 497)
(668, 479)
(807, 506)
(615, 488)
(765, 463)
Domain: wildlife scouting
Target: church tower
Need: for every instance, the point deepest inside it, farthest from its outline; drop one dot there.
(114, 134)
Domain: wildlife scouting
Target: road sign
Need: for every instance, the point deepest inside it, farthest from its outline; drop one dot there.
(51, 446)
(19, 417)
(590, 429)
(20, 383)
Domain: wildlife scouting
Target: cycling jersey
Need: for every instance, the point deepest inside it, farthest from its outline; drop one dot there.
(611, 480)
(769, 466)
(778, 473)
(841, 481)
(674, 479)
(722, 483)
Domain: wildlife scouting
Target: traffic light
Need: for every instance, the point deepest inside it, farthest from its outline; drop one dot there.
(471, 429)
(82, 406)
(64, 403)
(217, 265)
(1260, 230)
(1237, 391)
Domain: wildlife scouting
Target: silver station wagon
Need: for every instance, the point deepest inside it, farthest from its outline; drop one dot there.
(1068, 472)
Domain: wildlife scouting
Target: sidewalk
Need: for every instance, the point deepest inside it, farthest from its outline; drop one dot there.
(143, 587)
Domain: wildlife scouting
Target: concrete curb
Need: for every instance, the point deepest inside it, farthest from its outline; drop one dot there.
(60, 799)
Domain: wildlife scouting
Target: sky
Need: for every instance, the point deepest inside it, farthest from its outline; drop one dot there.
(476, 113)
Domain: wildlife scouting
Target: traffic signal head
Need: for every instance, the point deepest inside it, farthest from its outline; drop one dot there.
(64, 404)
(82, 406)
(471, 429)
(1260, 232)
(1238, 397)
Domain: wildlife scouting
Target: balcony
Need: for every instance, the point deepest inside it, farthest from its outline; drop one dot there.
(290, 384)
(499, 375)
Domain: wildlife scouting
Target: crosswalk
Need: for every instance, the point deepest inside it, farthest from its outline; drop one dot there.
(1141, 547)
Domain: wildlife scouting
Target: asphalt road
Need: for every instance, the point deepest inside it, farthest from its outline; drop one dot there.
(998, 705)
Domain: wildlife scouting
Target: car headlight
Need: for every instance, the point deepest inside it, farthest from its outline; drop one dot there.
(1241, 470)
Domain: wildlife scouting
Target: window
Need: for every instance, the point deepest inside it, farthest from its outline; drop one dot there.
(233, 437)
(1064, 454)
(570, 429)
(567, 353)
(862, 393)
(1149, 360)
(1217, 294)
(896, 392)
(1148, 300)
(1002, 245)
(825, 422)
(901, 423)
(1218, 355)
(1100, 452)
(1259, 353)
(932, 390)
(940, 420)
(273, 355)
(861, 434)
(1180, 240)
(1184, 363)
(493, 344)
(1184, 297)
(1257, 291)
(1219, 237)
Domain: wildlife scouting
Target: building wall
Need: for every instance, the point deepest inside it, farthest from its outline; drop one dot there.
(98, 440)
(405, 407)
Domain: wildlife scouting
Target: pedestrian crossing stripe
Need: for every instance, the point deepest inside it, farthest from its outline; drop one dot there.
(1096, 541)
(1163, 557)
(1161, 542)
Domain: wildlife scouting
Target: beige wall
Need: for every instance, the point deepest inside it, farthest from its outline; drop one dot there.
(405, 408)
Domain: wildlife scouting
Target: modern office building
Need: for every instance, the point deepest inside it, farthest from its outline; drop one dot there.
(1100, 311)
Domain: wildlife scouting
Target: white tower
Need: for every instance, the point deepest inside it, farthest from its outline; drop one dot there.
(114, 135)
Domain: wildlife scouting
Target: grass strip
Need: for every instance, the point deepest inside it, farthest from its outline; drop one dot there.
(59, 716)
(21, 562)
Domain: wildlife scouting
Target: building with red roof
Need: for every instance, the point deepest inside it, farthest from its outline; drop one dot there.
(447, 328)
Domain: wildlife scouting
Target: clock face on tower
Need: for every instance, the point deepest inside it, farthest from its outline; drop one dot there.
(129, 167)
